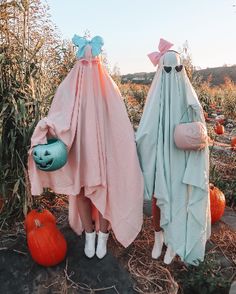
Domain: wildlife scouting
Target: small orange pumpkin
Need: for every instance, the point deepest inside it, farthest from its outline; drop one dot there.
(43, 215)
(219, 129)
(233, 142)
(217, 201)
(46, 244)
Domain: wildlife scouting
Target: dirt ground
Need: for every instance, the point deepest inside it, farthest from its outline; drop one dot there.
(77, 274)
(130, 270)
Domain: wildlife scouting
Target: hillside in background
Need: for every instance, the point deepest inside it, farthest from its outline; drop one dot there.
(216, 75)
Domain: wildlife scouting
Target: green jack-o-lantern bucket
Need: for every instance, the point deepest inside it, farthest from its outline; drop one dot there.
(50, 156)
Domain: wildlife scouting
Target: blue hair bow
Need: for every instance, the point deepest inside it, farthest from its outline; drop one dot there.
(96, 43)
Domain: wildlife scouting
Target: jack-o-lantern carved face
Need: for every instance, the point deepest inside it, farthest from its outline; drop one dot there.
(50, 156)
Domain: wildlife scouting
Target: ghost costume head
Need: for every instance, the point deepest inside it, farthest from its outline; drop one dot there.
(172, 84)
(177, 178)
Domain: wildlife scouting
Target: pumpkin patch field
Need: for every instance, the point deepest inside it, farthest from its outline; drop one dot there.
(39, 252)
(219, 105)
(61, 266)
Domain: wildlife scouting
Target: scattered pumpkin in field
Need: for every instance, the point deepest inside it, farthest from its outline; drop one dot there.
(233, 142)
(44, 216)
(217, 201)
(219, 129)
(46, 244)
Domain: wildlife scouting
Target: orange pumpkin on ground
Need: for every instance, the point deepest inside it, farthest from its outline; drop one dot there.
(233, 142)
(46, 244)
(219, 129)
(44, 216)
(217, 201)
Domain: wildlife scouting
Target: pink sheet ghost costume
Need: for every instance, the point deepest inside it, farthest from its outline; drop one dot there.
(89, 116)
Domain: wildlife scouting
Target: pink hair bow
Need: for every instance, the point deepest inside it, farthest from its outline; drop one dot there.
(163, 47)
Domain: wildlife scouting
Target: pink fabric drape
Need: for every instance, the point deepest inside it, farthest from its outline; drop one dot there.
(89, 116)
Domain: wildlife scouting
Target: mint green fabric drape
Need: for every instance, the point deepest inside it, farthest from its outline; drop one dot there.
(178, 179)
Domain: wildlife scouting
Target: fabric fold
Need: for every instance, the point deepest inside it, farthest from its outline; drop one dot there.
(89, 116)
(178, 179)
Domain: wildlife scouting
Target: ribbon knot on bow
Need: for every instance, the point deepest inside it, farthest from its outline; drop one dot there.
(163, 47)
(96, 44)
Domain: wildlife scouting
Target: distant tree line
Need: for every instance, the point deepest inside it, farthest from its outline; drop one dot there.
(215, 76)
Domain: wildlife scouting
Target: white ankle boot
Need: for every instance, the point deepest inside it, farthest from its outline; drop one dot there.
(158, 244)
(102, 244)
(170, 254)
(89, 248)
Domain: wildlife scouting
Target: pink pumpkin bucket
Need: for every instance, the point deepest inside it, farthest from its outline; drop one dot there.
(190, 136)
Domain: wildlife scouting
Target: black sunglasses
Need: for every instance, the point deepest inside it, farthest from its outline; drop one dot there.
(168, 69)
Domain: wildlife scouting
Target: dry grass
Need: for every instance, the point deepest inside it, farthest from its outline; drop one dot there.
(223, 167)
(153, 276)
(150, 276)
(225, 241)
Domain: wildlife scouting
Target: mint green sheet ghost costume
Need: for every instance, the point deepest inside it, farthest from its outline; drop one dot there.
(178, 179)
